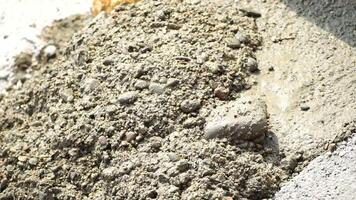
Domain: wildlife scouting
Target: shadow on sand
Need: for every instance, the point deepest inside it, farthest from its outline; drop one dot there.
(335, 16)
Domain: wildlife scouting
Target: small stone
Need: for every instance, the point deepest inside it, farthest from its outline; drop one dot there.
(172, 82)
(152, 194)
(110, 109)
(90, 84)
(251, 65)
(160, 14)
(128, 97)
(110, 172)
(222, 93)
(183, 58)
(213, 67)
(50, 51)
(188, 106)
(67, 95)
(173, 26)
(183, 165)
(189, 123)
(130, 136)
(304, 107)
(242, 37)
(108, 62)
(141, 84)
(156, 88)
(33, 161)
(202, 58)
(233, 43)
(243, 119)
(22, 158)
(126, 167)
(155, 142)
(173, 157)
(290, 162)
(250, 13)
(103, 141)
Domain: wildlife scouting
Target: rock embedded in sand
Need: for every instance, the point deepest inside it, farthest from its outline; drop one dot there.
(90, 84)
(110, 172)
(128, 97)
(50, 51)
(243, 119)
(67, 95)
(156, 88)
(188, 106)
(222, 93)
(141, 84)
(242, 36)
(251, 65)
(233, 43)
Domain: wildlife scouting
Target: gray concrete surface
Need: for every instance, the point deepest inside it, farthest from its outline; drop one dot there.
(330, 176)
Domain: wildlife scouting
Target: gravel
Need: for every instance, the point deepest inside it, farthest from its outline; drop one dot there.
(134, 127)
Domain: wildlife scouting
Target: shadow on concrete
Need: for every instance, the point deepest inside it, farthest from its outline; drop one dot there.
(335, 16)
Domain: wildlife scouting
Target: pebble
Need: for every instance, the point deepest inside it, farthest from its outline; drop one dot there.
(183, 58)
(130, 136)
(183, 165)
(126, 167)
(243, 119)
(252, 65)
(241, 36)
(110, 172)
(172, 82)
(103, 141)
(108, 62)
(250, 13)
(202, 58)
(90, 84)
(152, 194)
(67, 95)
(173, 157)
(110, 109)
(233, 43)
(222, 93)
(213, 67)
(128, 97)
(50, 51)
(304, 107)
(33, 161)
(141, 84)
(22, 158)
(189, 106)
(156, 88)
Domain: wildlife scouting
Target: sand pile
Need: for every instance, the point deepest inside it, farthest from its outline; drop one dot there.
(134, 107)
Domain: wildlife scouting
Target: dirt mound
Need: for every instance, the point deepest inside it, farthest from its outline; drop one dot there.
(122, 113)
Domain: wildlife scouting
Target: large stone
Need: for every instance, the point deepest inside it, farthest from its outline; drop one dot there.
(243, 119)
